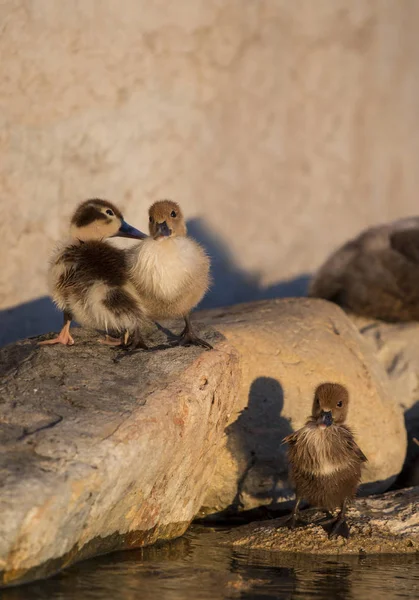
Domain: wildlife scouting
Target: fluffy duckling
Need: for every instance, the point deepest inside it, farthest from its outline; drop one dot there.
(376, 274)
(324, 457)
(170, 270)
(89, 277)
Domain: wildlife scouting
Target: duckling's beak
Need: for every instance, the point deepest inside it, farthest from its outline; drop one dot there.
(128, 231)
(326, 418)
(163, 230)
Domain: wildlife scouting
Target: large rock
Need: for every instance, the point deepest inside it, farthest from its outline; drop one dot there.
(378, 524)
(288, 347)
(97, 455)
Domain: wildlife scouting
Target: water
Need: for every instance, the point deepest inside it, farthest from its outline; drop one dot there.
(195, 567)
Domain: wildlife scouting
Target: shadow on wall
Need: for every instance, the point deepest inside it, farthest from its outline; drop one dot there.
(255, 440)
(231, 285)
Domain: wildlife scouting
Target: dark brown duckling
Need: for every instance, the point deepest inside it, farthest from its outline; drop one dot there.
(324, 458)
(89, 277)
(376, 274)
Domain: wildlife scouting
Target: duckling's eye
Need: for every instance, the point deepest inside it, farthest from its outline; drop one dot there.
(173, 214)
(151, 219)
(339, 404)
(109, 212)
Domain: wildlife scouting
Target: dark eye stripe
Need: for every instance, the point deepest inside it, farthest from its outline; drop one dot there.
(87, 216)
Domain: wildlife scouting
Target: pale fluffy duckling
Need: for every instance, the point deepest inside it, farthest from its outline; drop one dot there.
(170, 270)
(324, 457)
(89, 279)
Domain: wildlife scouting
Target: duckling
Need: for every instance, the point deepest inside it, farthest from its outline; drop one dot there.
(376, 274)
(324, 457)
(170, 270)
(89, 279)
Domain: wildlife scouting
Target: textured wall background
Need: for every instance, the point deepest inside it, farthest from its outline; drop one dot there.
(282, 128)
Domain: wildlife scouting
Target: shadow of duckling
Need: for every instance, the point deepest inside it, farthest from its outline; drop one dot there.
(253, 441)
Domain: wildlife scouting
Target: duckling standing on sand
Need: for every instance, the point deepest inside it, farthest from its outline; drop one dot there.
(324, 457)
(170, 270)
(89, 277)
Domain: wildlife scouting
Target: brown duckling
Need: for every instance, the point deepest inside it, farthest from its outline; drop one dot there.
(324, 458)
(89, 277)
(376, 274)
(170, 270)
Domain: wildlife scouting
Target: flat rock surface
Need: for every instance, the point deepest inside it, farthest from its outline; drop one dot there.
(388, 523)
(287, 348)
(98, 455)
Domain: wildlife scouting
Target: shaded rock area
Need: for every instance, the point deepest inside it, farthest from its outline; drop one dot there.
(370, 276)
(396, 346)
(287, 347)
(98, 455)
(388, 523)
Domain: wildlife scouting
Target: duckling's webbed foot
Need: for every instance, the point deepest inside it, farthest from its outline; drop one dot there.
(339, 528)
(292, 522)
(63, 337)
(294, 519)
(111, 341)
(189, 338)
(134, 342)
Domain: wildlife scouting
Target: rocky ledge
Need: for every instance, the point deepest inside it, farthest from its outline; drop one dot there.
(98, 455)
(287, 348)
(388, 523)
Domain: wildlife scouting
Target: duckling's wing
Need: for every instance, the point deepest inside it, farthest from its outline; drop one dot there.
(102, 262)
(290, 439)
(406, 243)
(357, 450)
(103, 276)
(347, 438)
(361, 455)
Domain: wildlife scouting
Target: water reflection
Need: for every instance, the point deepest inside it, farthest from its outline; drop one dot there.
(197, 567)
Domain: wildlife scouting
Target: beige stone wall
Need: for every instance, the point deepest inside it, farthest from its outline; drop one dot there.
(283, 127)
